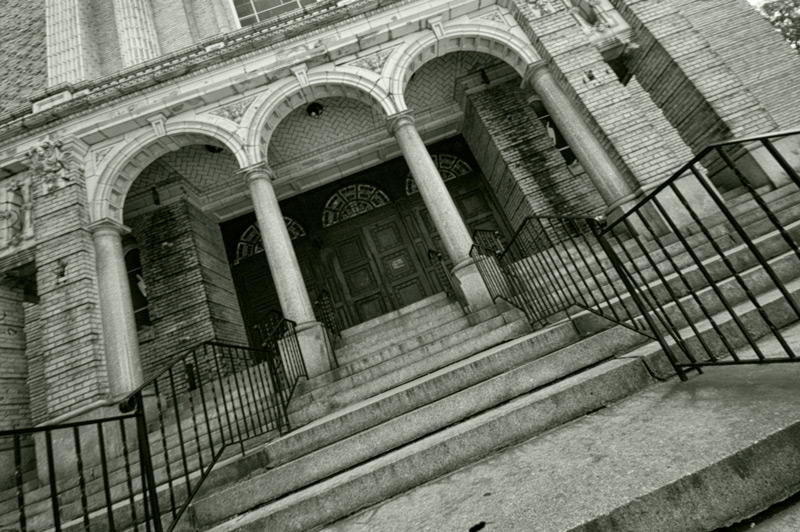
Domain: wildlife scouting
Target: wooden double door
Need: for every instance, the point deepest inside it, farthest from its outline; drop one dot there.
(370, 264)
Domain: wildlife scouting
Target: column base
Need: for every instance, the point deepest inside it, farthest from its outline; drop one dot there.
(316, 348)
(472, 286)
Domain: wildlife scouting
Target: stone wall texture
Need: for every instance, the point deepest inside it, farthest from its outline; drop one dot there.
(189, 286)
(23, 60)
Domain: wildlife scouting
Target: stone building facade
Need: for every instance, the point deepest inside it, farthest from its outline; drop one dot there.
(173, 172)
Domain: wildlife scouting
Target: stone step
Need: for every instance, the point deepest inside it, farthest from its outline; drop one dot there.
(411, 327)
(771, 245)
(514, 374)
(674, 457)
(442, 452)
(407, 367)
(445, 336)
(392, 319)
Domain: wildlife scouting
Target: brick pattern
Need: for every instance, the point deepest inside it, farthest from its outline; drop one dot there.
(189, 286)
(629, 136)
(73, 361)
(526, 172)
(298, 136)
(14, 398)
(23, 60)
(753, 51)
(35, 359)
(434, 85)
(104, 33)
(171, 25)
(698, 92)
(204, 172)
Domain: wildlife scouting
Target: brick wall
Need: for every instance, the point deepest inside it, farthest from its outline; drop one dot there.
(189, 286)
(699, 93)
(14, 399)
(70, 330)
(613, 111)
(528, 175)
(754, 52)
(23, 62)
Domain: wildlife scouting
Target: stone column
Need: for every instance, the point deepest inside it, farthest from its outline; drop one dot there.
(119, 325)
(442, 209)
(136, 31)
(604, 173)
(286, 274)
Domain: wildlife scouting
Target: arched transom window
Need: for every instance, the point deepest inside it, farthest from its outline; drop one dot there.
(450, 167)
(250, 242)
(351, 201)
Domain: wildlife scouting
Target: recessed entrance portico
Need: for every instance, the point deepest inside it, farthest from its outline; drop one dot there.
(371, 261)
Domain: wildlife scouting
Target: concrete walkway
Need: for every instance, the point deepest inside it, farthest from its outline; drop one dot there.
(678, 456)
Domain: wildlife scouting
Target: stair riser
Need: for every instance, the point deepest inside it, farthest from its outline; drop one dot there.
(409, 320)
(395, 360)
(347, 352)
(497, 333)
(376, 356)
(742, 258)
(443, 457)
(298, 444)
(427, 332)
(500, 384)
(429, 304)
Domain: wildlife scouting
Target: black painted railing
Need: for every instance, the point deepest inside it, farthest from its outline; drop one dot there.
(713, 283)
(445, 277)
(142, 469)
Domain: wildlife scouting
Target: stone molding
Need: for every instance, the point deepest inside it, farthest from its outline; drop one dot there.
(399, 120)
(260, 171)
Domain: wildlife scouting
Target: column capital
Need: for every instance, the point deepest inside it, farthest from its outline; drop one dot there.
(534, 71)
(259, 171)
(398, 120)
(107, 226)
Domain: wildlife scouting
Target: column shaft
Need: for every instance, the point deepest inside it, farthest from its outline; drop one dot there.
(441, 207)
(603, 171)
(119, 325)
(283, 264)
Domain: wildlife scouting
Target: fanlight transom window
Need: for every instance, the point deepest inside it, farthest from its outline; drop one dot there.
(450, 167)
(351, 201)
(250, 242)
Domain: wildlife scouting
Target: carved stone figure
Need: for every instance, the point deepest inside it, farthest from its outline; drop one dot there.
(47, 161)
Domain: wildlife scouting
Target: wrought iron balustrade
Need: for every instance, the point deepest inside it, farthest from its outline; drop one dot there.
(712, 283)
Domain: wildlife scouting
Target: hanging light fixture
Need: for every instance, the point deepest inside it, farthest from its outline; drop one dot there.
(314, 109)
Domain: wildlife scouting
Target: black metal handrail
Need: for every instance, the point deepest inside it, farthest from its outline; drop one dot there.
(142, 468)
(326, 313)
(450, 285)
(680, 265)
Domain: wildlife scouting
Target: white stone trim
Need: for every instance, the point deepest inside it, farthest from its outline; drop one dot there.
(113, 178)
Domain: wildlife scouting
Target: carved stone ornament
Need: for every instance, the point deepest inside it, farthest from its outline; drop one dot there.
(234, 111)
(374, 61)
(16, 216)
(494, 16)
(541, 8)
(49, 165)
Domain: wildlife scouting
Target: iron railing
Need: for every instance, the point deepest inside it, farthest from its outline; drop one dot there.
(142, 469)
(714, 283)
(450, 285)
(718, 280)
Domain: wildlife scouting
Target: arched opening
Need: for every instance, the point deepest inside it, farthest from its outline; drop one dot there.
(177, 267)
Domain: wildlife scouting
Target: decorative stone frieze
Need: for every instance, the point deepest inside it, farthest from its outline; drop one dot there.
(373, 62)
(234, 111)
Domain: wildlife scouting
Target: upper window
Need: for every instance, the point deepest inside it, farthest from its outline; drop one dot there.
(253, 11)
(250, 242)
(449, 166)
